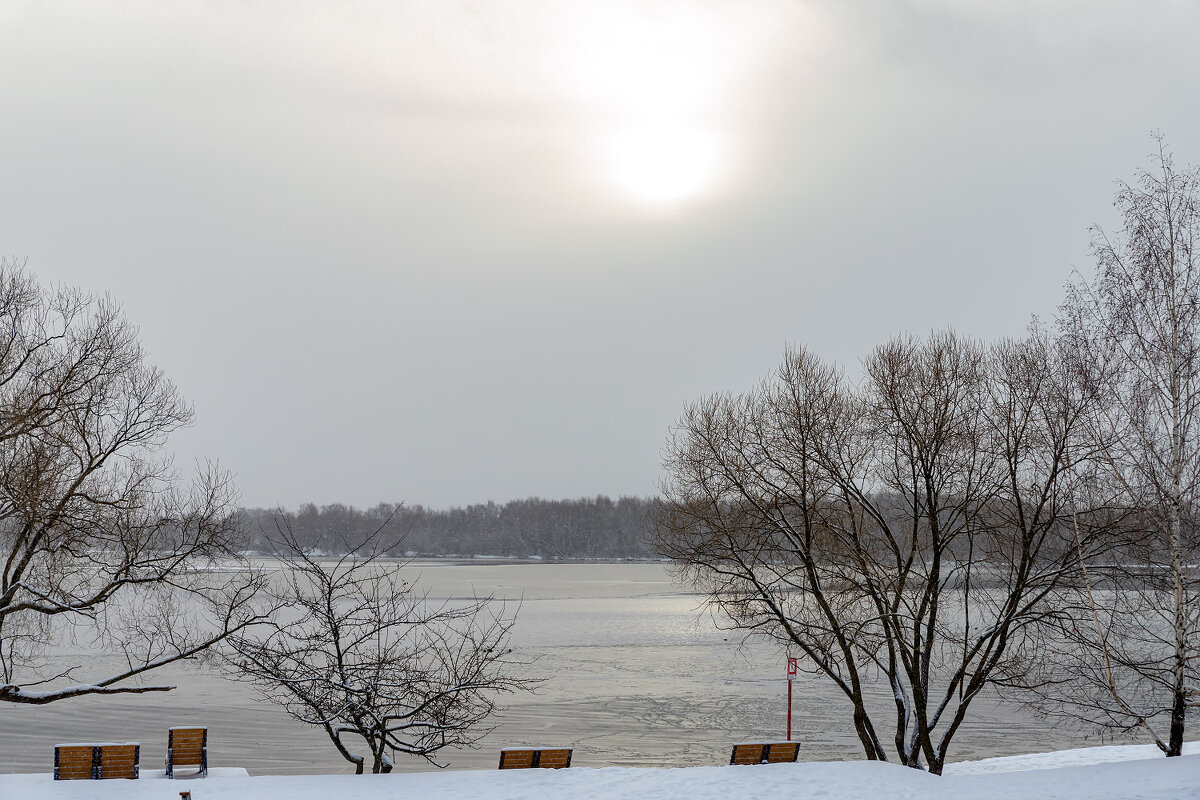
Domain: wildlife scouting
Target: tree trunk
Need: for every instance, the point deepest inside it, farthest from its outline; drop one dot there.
(1179, 656)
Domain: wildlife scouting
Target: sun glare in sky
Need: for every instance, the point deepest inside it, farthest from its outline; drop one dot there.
(661, 163)
(654, 89)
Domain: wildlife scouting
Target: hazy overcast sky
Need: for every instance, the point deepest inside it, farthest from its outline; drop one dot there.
(455, 250)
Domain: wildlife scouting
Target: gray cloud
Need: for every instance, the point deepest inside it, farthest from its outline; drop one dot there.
(365, 239)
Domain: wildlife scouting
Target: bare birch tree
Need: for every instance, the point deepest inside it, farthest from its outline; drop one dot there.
(911, 528)
(100, 539)
(358, 653)
(1136, 330)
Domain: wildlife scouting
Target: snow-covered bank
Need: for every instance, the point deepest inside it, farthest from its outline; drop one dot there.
(1117, 779)
(1080, 757)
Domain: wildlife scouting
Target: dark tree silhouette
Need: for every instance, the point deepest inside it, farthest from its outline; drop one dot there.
(360, 654)
(99, 538)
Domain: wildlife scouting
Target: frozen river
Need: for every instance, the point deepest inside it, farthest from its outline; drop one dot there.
(637, 675)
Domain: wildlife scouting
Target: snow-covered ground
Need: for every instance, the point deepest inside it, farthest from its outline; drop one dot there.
(1101, 773)
(1081, 757)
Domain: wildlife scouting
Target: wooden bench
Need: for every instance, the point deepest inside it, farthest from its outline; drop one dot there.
(766, 753)
(187, 747)
(74, 762)
(544, 758)
(99, 761)
(119, 760)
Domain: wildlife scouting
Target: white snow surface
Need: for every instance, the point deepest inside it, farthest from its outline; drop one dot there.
(1082, 757)
(1104, 773)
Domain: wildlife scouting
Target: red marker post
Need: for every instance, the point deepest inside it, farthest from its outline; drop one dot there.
(791, 677)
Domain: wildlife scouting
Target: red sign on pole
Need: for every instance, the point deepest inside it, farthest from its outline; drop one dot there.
(791, 669)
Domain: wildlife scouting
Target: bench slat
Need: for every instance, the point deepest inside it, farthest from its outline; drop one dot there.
(80, 758)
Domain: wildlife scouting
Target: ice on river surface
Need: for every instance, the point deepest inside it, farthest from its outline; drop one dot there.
(638, 675)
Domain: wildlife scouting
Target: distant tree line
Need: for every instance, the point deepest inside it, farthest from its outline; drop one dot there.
(590, 527)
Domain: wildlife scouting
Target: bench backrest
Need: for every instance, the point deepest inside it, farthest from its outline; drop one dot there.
(119, 760)
(539, 758)
(73, 762)
(96, 761)
(186, 745)
(766, 753)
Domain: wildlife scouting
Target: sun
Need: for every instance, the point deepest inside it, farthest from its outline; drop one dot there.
(660, 164)
(653, 84)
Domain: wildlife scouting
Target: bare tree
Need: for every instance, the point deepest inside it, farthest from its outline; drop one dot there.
(361, 655)
(1136, 330)
(911, 528)
(100, 539)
